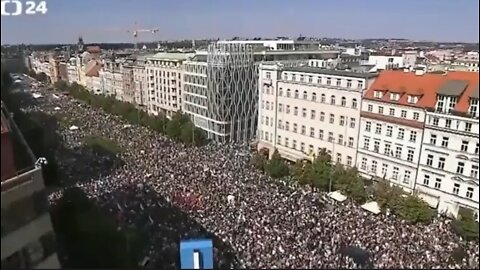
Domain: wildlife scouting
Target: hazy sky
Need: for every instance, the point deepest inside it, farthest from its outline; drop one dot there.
(109, 20)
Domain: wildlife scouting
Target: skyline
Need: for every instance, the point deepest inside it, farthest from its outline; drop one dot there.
(432, 20)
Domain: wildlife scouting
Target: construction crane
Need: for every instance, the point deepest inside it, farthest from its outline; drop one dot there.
(137, 30)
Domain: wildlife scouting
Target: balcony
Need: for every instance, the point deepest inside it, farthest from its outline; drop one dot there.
(267, 82)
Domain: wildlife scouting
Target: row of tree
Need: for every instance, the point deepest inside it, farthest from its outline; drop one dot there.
(179, 127)
(321, 174)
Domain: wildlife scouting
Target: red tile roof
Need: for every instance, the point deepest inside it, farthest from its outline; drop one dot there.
(425, 86)
(93, 49)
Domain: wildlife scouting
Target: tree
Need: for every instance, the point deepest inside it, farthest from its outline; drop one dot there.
(465, 225)
(258, 162)
(61, 85)
(276, 167)
(186, 133)
(174, 129)
(349, 181)
(42, 77)
(413, 209)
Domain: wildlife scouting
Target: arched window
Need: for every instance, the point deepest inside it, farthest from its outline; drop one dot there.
(332, 99)
(354, 103)
(289, 92)
(314, 97)
(322, 98)
(296, 93)
(344, 102)
(305, 95)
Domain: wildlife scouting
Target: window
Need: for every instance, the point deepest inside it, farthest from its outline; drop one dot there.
(469, 192)
(319, 80)
(441, 163)
(416, 116)
(279, 139)
(394, 96)
(304, 112)
(305, 96)
(392, 111)
(312, 114)
(342, 120)
(401, 133)
(426, 180)
(280, 107)
(477, 149)
(445, 142)
(378, 129)
(350, 141)
(332, 118)
(314, 97)
(352, 122)
(413, 136)
(289, 93)
(456, 188)
(332, 100)
(370, 108)
(395, 173)
(366, 143)
(433, 139)
(410, 155)
(448, 123)
(406, 177)
(389, 131)
(384, 169)
(304, 129)
(373, 169)
(354, 103)
(294, 77)
(266, 121)
(287, 110)
(403, 114)
(435, 121)
(295, 127)
(330, 137)
(310, 79)
(322, 116)
(302, 147)
(468, 127)
(339, 158)
(438, 183)
(464, 146)
(295, 111)
(287, 126)
(320, 134)
(360, 85)
(322, 98)
(412, 99)
(377, 94)
(368, 126)
(398, 152)
(296, 94)
(267, 106)
(312, 132)
(380, 109)
(339, 82)
(279, 123)
(344, 102)
(473, 109)
(387, 150)
(286, 142)
(474, 171)
(268, 75)
(363, 165)
(460, 167)
(349, 161)
(349, 83)
(430, 160)
(376, 146)
(301, 78)
(329, 81)
(280, 91)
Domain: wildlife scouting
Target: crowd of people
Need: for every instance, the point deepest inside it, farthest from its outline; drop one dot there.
(172, 192)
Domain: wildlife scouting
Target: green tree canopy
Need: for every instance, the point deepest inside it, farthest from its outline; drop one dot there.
(276, 167)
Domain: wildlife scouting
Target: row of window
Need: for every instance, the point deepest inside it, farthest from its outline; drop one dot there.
(446, 104)
(389, 131)
(464, 147)
(319, 80)
(412, 99)
(435, 121)
(392, 112)
(387, 149)
(313, 97)
(372, 169)
(456, 186)
(294, 145)
(460, 166)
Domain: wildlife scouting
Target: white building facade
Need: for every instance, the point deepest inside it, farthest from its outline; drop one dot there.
(449, 165)
(303, 110)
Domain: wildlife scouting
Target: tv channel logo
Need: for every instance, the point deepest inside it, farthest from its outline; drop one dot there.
(17, 7)
(196, 254)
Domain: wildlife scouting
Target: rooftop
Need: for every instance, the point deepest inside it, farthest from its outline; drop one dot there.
(331, 72)
(171, 56)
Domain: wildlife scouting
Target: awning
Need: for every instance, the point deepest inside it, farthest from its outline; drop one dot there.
(372, 207)
(337, 196)
(430, 200)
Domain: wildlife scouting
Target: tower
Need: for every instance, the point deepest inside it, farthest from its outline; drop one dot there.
(80, 44)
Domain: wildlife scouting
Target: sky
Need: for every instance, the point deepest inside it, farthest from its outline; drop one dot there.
(109, 20)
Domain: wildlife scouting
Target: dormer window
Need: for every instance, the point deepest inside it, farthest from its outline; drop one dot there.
(412, 99)
(394, 96)
(473, 109)
(445, 104)
(377, 94)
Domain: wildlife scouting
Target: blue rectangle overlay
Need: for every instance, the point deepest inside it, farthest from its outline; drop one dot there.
(204, 250)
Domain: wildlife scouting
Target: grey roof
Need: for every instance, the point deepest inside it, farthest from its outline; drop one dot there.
(453, 88)
(331, 72)
(475, 92)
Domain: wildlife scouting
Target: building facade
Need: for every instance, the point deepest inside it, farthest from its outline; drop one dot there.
(140, 81)
(306, 109)
(28, 240)
(112, 76)
(220, 92)
(448, 174)
(165, 82)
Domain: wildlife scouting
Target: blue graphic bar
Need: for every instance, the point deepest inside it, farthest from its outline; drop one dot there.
(196, 254)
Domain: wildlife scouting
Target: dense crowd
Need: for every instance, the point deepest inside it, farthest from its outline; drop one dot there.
(256, 222)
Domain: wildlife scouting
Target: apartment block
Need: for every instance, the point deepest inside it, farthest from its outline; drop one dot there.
(305, 109)
(28, 240)
(448, 175)
(165, 82)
